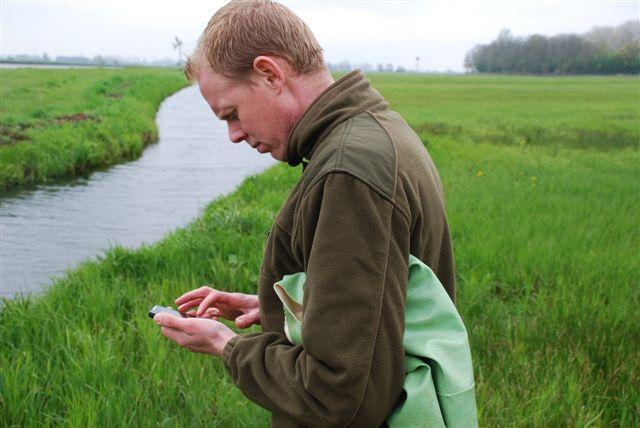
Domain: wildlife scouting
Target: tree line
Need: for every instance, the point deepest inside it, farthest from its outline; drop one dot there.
(603, 50)
(97, 60)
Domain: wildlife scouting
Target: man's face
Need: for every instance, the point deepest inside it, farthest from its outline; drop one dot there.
(253, 111)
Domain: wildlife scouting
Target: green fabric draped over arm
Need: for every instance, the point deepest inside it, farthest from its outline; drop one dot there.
(438, 388)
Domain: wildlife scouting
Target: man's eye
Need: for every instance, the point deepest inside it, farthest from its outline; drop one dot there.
(233, 115)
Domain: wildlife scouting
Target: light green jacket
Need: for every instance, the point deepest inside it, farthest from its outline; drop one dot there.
(439, 389)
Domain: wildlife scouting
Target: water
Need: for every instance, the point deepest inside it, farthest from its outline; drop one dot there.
(48, 230)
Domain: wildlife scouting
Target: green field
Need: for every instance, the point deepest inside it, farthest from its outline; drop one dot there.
(61, 123)
(542, 180)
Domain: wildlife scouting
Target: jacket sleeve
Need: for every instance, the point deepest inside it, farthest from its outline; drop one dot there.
(349, 369)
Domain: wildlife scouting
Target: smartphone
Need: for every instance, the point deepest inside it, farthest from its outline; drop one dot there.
(158, 309)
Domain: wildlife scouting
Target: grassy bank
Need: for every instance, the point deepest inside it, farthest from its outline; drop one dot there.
(546, 240)
(61, 123)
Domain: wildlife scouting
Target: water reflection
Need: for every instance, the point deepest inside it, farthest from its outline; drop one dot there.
(45, 231)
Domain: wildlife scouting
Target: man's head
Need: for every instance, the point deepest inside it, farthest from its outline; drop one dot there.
(258, 66)
(240, 31)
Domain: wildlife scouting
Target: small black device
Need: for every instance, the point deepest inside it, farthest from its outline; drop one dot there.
(158, 309)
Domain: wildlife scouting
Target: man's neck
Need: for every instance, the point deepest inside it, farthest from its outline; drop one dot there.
(309, 87)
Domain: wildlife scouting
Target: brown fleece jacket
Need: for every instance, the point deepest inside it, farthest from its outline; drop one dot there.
(369, 196)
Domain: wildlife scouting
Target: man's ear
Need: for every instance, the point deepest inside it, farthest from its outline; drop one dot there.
(268, 72)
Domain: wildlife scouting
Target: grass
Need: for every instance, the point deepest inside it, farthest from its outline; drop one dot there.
(593, 112)
(62, 123)
(546, 239)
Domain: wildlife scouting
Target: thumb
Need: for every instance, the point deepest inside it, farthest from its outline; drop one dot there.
(246, 320)
(167, 320)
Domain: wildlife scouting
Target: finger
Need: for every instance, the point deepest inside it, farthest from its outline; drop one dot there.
(206, 302)
(212, 311)
(194, 294)
(246, 320)
(171, 321)
(219, 297)
(210, 317)
(188, 305)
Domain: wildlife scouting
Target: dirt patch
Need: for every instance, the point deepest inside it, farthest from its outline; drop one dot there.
(73, 118)
(12, 134)
(147, 138)
(17, 132)
(438, 128)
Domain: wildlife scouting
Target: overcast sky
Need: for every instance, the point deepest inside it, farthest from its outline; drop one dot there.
(439, 32)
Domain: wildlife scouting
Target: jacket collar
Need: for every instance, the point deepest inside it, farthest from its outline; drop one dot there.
(345, 98)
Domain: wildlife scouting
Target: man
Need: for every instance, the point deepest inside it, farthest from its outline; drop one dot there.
(368, 197)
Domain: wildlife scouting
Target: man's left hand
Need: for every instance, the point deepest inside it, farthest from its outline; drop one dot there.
(196, 334)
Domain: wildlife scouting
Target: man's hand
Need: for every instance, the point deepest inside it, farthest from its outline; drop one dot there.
(244, 309)
(196, 334)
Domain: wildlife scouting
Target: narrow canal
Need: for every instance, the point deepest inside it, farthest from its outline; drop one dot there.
(45, 231)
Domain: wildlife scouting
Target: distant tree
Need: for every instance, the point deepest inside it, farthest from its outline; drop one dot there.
(380, 68)
(475, 60)
(401, 69)
(27, 58)
(73, 59)
(630, 57)
(615, 38)
(99, 60)
(344, 66)
(597, 52)
(388, 68)
(468, 63)
(45, 57)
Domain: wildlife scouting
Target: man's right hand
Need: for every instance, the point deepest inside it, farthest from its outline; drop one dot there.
(244, 309)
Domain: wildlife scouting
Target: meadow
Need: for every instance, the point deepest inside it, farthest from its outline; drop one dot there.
(542, 182)
(63, 123)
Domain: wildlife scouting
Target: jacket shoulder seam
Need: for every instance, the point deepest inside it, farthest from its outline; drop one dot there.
(375, 188)
(339, 170)
(343, 139)
(395, 150)
(321, 178)
(339, 167)
(395, 166)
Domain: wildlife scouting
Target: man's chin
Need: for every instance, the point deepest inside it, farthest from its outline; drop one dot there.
(278, 156)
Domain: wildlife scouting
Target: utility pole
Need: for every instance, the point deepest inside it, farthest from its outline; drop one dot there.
(417, 64)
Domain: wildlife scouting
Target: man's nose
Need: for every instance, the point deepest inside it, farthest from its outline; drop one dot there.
(236, 134)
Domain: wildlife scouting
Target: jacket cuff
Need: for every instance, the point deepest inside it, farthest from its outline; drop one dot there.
(226, 356)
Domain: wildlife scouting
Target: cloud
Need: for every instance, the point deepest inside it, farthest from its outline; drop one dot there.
(439, 32)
